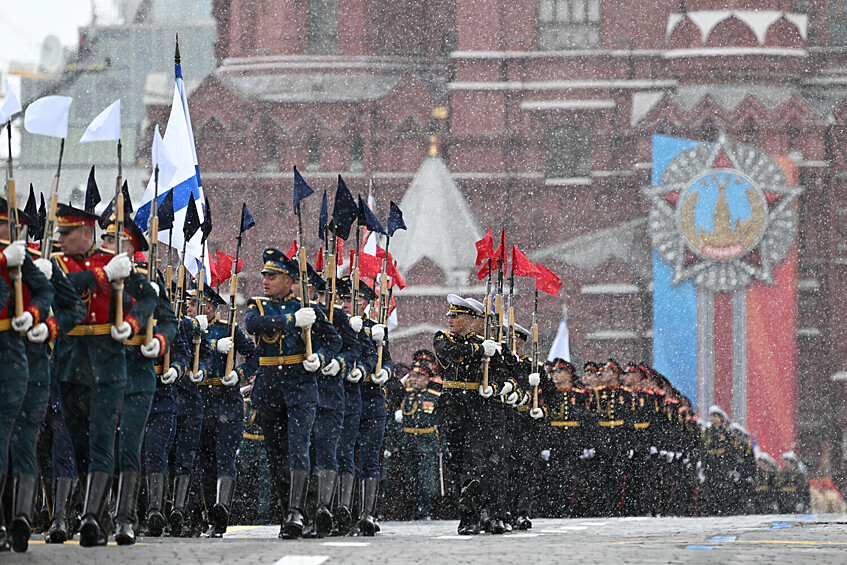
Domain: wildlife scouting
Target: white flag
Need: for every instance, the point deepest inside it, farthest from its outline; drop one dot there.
(106, 126)
(48, 116)
(162, 158)
(11, 105)
(561, 347)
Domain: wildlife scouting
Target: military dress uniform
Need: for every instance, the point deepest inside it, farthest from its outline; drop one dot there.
(92, 387)
(223, 417)
(284, 392)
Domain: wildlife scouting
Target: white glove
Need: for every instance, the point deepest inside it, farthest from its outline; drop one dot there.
(386, 453)
(380, 377)
(534, 379)
(39, 333)
(231, 379)
(151, 350)
(355, 375)
(312, 362)
(332, 369)
(155, 287)
(304, 317)
(118, 267)
(512, 399)
(398, 416)
(524, 400)
(507, 389)
(121, 333)
(653, 450)
(23, 322)
(586, 454)
(203, 320)
(15, 253)
(224, 345)
(669, 456)
(630, 454)
(169, 377)
(356, 323)
(536, 413)
(489, 347)
(487, 392)
(45, 266)
(545, 454)
(197, 377)
(378, 333)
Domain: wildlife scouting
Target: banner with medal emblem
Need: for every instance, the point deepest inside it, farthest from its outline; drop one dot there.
(723, 223)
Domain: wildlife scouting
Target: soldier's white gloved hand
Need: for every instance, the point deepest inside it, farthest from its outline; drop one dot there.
(386, 453)
(486, 392)
(536, 413)
(198, 376)
(45, 266)
(512, 399)
(378, 333)
(169, 377)
(202, 321)
(489, 347)
(331, 369)
(151, 350)
(545, 454)
(231, 379)
(312, 362)
(15, 253)
(630, 454)
(118, 267)
(398, 416)
(23, 322)
(224, 345)
(507, 389)
(380, 377)
(39, 333)
(122, 332)
(534, 379)
(669, 456)
(585, 454)
(356, 323)
(304, 317)
(355, 375)
(524, 400)
(653, 450)
(155, 287)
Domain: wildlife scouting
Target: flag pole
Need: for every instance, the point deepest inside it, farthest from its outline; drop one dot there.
(355, 275)
(169, 273)
(152, 260)
(199, 304)
(487, 326)
(511, 336)
(382, 317)
(50, 224)
(535, 346)
(304, 290)
(118, 284)
(12, 201)
(233, 292)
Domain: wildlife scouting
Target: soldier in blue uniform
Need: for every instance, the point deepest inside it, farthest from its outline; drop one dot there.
(92, 386)
(223, 412)
(140, 387)
(342, 517)
(285, 390)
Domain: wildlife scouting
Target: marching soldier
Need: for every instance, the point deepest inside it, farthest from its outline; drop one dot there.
(92, 385)
(285, 390)
(223, 412)
(718, 462)
(140, 386)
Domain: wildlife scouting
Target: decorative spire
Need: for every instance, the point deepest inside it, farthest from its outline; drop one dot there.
(176, 52)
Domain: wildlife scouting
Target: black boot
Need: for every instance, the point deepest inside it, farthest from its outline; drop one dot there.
(343, 518)
(96, 497)
(5, 537)
(59, 527)
(156, 521)
(219, 514)
(44, 516)
(127, 502)
(367, 521)
(292, 528)
(326, 488)
(469, 508)
(181, 485)
(25, 491)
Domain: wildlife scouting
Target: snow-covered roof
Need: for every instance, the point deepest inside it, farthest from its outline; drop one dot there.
(311, 87)
(439, 224)
(605, 104)
(759, 21)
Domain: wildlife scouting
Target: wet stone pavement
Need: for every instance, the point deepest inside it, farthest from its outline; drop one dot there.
(736, 539)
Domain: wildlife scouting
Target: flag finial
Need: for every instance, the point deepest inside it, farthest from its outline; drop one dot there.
(433, 145)
(176, 51)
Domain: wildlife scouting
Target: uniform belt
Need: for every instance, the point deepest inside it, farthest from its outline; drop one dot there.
(214, 381)
(716, 451)
(460, 384)
(788, 489)
(282, 360)
(641, 425)
(253, 436)
(763, 488)
(524, 408)
(565, 424)
(97, 329)
(137, 340)
(5, 324)
(419, 430)
(610, 423)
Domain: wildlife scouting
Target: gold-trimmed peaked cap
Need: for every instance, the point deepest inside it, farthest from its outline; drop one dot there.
(459, 305)
(275, 261)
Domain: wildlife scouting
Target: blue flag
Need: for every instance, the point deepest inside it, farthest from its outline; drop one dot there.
(301, 189)
(92, 194)
(323, 218)
(247, 220)
(165, 211)
(395, 219)
(31, 210)
(345, 211)
(366, 218)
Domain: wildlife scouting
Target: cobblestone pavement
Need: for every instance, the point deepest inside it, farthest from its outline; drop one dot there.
(788, 539)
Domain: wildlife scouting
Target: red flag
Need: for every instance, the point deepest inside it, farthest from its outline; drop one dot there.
(547, 281)
(319, 261)
(138, 256)
(521, 266)
(292, 251)
(339, 251)
(484, 248)
(497, 258)
(396, 279)
(369, 266)
(224, 266)
(213, 272)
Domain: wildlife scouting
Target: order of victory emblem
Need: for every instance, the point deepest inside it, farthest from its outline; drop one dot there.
(723, 216)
